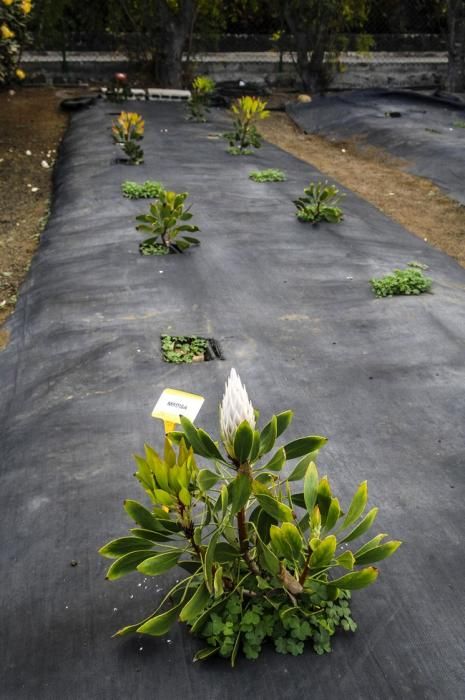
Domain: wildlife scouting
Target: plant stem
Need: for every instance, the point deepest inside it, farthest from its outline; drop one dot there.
(242, 529)
(245, 130)
(304, 573)
(189, 533)
(244, 542)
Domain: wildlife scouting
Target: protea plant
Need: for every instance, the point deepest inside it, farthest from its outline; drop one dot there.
(246, 112)
(126, 131)
(255, 557)
(118, 89)
(165, 222)
(235, 408)
(201, 91)
(319, 203)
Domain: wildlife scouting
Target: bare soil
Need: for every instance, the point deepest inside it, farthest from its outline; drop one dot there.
(30, 121)
(414, 202)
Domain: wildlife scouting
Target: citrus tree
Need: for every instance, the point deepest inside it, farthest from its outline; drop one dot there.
(14, 15)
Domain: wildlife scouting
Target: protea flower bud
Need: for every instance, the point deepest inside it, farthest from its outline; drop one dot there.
(234, 409)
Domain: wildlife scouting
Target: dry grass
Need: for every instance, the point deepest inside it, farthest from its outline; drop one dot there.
(414, 202)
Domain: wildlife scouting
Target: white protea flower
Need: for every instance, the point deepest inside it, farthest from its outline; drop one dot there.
(234, 409)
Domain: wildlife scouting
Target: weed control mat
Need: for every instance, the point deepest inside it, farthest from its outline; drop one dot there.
(294, 313)
(426, 131)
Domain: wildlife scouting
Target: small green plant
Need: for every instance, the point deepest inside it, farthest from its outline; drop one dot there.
(270, 175)
(260, 560)
(201, 92)
(127, 131)
(183, 349)
(286, 627)
(460, 124)
(246, 112)
(320, 203)
(166, 220)
(150, 189)
(410, 281)
(153, 249)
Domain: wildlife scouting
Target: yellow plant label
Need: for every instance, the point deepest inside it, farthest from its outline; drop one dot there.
(174, 403)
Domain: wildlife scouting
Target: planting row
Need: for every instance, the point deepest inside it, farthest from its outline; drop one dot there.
(260, 560)
(166, 221)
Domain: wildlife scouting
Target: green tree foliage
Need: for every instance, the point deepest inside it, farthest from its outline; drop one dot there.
(158, 32)
(316, 26)
(152, 32)
(401, 17)
(14, 19)
(55, 22)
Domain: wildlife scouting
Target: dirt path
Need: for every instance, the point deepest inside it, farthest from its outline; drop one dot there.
(31, 123)
(412, 201)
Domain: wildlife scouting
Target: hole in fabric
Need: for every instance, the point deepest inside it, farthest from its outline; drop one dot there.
(185, 349)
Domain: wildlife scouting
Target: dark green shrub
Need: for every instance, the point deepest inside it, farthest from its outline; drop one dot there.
(166, 221)
(320, 203)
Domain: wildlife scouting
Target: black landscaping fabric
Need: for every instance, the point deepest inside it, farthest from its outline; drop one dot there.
(293, 310)
(422, 129)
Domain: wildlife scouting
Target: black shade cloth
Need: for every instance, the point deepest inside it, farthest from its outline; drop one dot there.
(293, 310)
(424, 130)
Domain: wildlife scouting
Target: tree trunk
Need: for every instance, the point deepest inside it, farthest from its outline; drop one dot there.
(316, 67)
(302, 64)
(175, 28)
(190, 37)
(314, 39)
(456, 45)
(169, 59)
